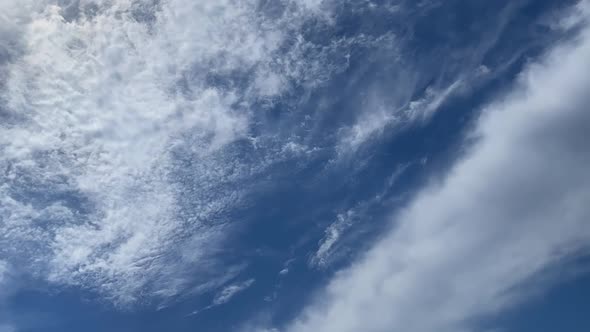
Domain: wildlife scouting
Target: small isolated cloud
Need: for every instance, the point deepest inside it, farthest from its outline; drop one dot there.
(327, 246)
(287, 267)
(227, 293)
(515, 205)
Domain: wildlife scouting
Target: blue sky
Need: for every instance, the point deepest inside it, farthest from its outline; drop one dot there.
(294, 165)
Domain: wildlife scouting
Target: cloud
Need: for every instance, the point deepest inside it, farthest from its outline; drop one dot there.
(100, 99)
(380, 113)
(230, 291)
(226, 294)
(419, 84)
(512, 207)
(327, 246)
(340, 236)
(394, 108)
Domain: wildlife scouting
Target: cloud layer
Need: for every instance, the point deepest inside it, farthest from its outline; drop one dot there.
(98, 97)
(129, 129)
(512, 207)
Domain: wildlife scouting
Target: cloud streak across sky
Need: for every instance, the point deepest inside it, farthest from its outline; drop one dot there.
(512, 207)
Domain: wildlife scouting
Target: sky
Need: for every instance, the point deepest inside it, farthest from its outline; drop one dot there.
(294, 165)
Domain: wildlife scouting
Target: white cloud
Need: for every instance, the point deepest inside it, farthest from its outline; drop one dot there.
(405, 102)
(338, 240)
(230, 291)
(514, 206)
(226, 294)
(370, 125)
(327, 245)
(98, 96)
(381, 114)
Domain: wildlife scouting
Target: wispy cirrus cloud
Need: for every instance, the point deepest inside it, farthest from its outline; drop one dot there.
(230, 291)
(340, 236)
(327, 245)
(418, 85)
(226, 294)
(512, 207)
(99, 96)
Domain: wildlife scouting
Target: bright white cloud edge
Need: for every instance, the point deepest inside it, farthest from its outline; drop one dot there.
(514, 206)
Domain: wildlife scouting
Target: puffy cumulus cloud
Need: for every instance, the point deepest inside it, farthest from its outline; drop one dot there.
(97, 98)
(512, 207)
